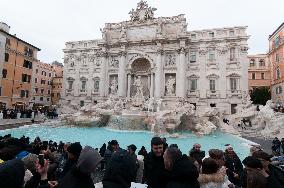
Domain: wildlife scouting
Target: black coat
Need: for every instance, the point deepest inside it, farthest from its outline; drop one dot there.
(276, 177)
(75, 179)
(234, 165)
(155, 174)
(120, 172)
(12, 174)
(183, 175)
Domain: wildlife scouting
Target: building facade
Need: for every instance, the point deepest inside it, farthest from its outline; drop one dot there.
(276, 57)
(17, 60)
(57, 81)
(41, 84)
(159, 58)
(258, 71)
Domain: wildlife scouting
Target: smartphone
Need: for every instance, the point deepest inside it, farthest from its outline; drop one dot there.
(41, 159)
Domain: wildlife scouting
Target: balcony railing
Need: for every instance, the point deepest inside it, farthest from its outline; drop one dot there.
(237, 93)
(213, 93)
(193, 93)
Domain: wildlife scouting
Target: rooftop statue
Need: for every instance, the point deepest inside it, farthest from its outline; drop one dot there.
(142, 13)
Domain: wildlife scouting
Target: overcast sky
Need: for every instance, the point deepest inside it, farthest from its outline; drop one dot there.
(48, 24)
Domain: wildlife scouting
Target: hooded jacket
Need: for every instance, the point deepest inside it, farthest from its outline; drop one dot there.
(121, 171)
(80, 175)
(216, 180)
(184, 174)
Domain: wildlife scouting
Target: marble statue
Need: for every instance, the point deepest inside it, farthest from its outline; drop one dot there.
(170, 86)
(139, 97)
(150, 105)
(113, 86)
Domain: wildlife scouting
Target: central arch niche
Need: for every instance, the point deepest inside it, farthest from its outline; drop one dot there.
(141, 69)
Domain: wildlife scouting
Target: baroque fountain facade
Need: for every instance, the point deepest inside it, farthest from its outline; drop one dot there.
(151, 73)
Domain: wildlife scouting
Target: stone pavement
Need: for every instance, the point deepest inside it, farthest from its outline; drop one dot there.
(14, 123)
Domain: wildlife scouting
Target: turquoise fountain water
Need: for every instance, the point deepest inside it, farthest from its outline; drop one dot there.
(95, 137)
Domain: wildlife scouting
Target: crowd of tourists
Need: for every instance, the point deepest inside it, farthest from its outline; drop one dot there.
(27, 113)
(277, 145)
(48, 164)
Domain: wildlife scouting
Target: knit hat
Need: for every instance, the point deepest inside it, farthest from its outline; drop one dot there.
(88, 160)
(75, 149)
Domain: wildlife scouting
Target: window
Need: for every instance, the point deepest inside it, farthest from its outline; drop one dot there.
(28, 52)
(233, 108)
(36, 90)
(252, 63)
(70, 84)
(33, 98)
(48, 92)
(82, 103)
(83, 86)
(253, 76)
(278, 90)
(35, 80)
(212, 105)
(277, 57)
(212, 85)
(6, 57)
(28, 64)
(232, 53)
(233, 84)
(0, 91)
(262, 76)
(4, 73)
(192, 57)
(42, 81)
(231, 33)
(26, 78)
(262, 63)
(193, 36)
(278, 73)
(85, 44)
(211, 34)
(36, 71)
(211, 55)
(49, 75)
(52, 94)
(193, 84)
(47, 99)
(23, 93)
(41, 98)
(42, 91)
(97, 85)
(58, 94)
(44, 73)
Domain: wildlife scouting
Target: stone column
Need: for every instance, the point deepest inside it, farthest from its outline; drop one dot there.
(152, 85)
(158, 75)
(180, 77)
(103, 75)
(122, 76)
(128, 85)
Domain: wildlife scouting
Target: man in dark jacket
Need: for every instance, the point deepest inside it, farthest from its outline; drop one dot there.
(121, 171)
(275, 177)
(73, 152)
(182, 172)
(197, 154)
(154, 169)
(12, 174)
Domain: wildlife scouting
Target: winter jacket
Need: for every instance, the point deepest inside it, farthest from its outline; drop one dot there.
(275, 178)
(216, 180)
(12, 174)
(155, 174)
(184, 174)
(234, 165)
(121, 171)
